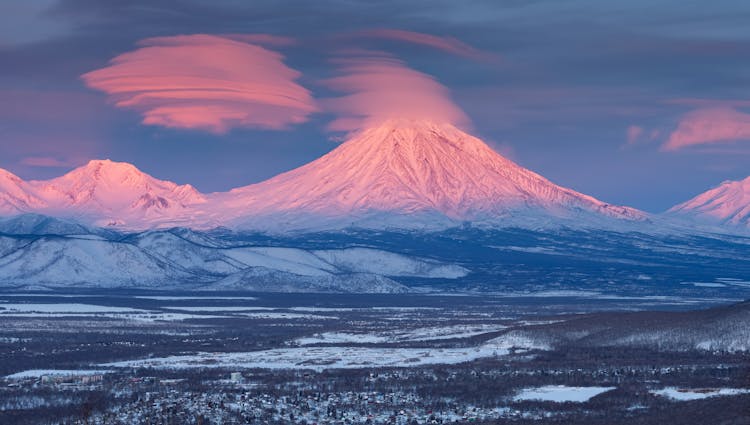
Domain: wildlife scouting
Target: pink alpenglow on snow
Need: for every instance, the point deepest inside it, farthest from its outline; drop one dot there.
(400, 173)
(383, 88)
(708, 126)
(728, 203)
(205, 82)
(103, 192)
(413, 168)
(15, 196)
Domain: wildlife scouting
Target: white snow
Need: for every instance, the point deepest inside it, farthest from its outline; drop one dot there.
(36, 310)
(38, 373)
(291, 316)
(705, 284)
(561, 393)
(60, 262)
(686, 394)
(728, 203)
(177, 298)
(322, 309)
(217, 308)
(366, 260)
(418, 334)
(320, 358)
(12, 308)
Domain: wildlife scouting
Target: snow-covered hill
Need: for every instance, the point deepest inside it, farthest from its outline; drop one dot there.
(184, 259)
(35, 224)
(263, 279)
(728, 203)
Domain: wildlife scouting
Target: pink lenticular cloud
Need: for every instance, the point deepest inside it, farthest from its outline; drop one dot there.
(381, 87)
(446, 44)
(205, 82)
(709, 126)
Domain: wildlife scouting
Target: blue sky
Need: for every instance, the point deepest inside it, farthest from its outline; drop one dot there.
(642, 103)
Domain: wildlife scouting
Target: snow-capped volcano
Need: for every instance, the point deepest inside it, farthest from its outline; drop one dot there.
(104, 192)
(414, 168)
(728, 203)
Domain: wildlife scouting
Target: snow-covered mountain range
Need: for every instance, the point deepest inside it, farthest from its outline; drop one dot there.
(728, 203)
(407, 174)
(33, 258)
(102, 193)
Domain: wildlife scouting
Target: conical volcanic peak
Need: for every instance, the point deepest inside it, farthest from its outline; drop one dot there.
(727, 203)
(415, 166)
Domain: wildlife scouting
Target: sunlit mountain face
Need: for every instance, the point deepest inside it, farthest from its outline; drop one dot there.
(391, 171)
(728, 203)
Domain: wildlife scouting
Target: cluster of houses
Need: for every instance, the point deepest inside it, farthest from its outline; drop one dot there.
(217, 407)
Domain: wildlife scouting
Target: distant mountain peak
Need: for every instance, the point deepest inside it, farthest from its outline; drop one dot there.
(727, 203)
(101, 191)
(115, 173)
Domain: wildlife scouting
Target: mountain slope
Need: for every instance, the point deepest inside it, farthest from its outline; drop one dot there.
(35, 224)
(72, 262)
(728, 203)
(263, 279)
(15, 196)
(167, 259)
(413, 168)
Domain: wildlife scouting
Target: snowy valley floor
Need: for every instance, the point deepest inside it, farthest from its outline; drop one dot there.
(547, 357)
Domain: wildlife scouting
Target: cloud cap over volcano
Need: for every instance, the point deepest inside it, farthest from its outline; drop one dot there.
(381, 88)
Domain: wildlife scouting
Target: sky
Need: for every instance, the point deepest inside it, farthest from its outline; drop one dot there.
(638, 103)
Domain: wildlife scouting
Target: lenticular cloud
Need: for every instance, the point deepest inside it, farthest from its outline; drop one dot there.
(446, 44)
(382, 88)
(205, 82)
(709, 125)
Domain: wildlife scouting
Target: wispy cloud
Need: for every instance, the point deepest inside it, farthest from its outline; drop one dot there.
(633, 134)
(381, 87)
(263, 39)
(637, 135)
(709, 126)
(46, 162)
(447, 44)
(206, 82)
